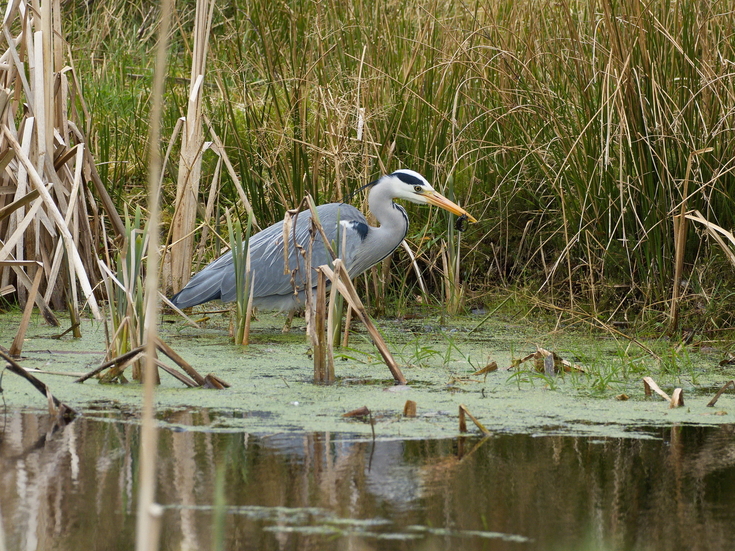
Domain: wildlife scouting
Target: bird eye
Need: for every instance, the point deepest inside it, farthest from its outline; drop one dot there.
(418, 189)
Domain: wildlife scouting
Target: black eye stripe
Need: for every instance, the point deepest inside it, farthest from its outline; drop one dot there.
(408, 179)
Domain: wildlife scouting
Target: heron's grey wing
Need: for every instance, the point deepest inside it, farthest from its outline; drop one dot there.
(344, 226)
(266, 250)
(205, 285)
(346, 229)
(333, 217)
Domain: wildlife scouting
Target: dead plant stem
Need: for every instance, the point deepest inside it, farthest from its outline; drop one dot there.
(148, 525)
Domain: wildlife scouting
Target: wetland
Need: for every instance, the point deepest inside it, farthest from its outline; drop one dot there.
(272, 462)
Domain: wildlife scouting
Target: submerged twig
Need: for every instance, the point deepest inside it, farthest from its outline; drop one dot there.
(65, 411)
(348, 291)
(463, 425)
(675, 400)
(713, 401)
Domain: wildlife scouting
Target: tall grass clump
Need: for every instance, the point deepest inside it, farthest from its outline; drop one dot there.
(567, 135)
(126, 294)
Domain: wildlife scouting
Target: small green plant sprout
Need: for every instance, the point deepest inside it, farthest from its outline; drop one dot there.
(452, 345)
(125, 295)
(417, 354)
(239, 243)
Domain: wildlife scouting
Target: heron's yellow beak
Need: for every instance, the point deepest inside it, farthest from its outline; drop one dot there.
(436, 198)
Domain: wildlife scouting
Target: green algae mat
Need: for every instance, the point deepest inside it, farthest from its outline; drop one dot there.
(271, 388)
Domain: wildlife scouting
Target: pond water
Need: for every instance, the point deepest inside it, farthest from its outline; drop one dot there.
(74, 487)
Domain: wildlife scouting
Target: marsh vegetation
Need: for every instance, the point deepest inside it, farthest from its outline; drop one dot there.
(577, 138)
(582, 140)
(594, 144)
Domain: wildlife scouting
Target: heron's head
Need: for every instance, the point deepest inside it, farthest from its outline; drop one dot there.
(411, 186)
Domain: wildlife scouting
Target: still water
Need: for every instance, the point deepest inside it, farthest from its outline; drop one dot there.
(74, 487)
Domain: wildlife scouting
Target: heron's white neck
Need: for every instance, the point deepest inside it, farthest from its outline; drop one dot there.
(391, 217)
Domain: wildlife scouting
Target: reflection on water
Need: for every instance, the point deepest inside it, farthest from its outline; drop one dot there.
(74, 488)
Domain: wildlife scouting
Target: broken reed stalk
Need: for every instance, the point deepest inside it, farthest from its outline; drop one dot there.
(310, 310)
(248, 308)
(65, 411)
(121, 362)
(463, 424)
(713, 401)
(344, 285)
(109, 363)
(675, 400)
(321, 372)
(334, 316)
(181, 362)
(346, 332)
(149, 514)
(190, 383)
(17, 346)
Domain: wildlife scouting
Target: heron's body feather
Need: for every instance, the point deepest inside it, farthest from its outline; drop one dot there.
(344, 226)
(358, 244)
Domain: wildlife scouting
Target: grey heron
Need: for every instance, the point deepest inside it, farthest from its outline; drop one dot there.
(362, 245)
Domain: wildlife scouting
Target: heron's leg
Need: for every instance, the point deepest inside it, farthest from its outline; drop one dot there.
(289, 320)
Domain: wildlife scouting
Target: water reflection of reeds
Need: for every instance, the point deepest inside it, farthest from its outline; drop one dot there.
(75, 487)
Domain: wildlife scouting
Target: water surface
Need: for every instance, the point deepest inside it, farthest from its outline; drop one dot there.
(74, 487)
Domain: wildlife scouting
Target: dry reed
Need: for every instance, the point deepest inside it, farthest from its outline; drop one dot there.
(47, 213)
(190, 163)
(150, 513)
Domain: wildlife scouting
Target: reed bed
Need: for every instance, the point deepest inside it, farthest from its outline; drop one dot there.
(53, 204)
(569, 135)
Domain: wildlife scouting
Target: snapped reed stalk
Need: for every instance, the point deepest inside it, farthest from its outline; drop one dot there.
(17, 346)
(319, 344)
(345, 287)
